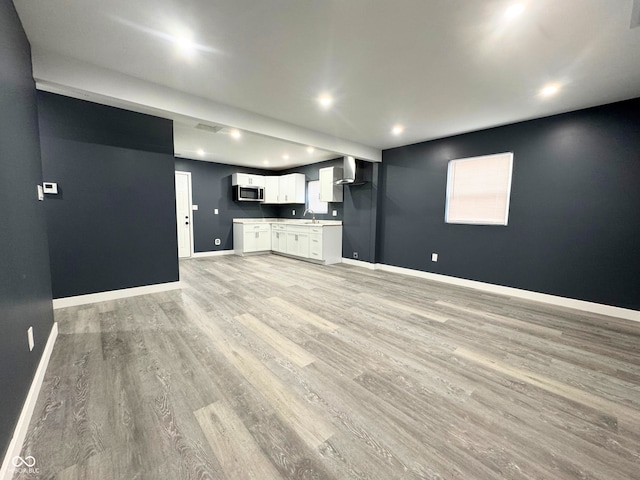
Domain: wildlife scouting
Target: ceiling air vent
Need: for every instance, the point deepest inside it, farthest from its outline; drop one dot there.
(209, 128)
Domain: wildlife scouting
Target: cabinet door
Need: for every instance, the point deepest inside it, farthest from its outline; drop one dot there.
(256, 180)
(299, 188)
(247, 179)
(271, 189)
(250, 241)
(303, 245)
(278, 242)
(329, 191)
(263, 241)
(285, 189)
(292, 188)
(256, 238)
(292, 243)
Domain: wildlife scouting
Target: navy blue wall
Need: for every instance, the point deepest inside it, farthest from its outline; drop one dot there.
(25, 283)
(113, 224)
(575, 203)
(211, 189)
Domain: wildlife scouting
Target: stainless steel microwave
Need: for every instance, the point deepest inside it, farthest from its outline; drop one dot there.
(248, 193)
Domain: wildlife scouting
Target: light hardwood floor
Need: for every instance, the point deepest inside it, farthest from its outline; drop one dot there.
(266, 367)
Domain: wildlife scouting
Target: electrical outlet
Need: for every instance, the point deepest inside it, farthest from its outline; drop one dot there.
(434, 257)
(293, 212)
(30, 338)
(355, 255)
(215, 211)
(217, 241)
(334, 213)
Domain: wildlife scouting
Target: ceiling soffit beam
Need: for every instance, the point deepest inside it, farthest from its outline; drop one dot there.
(64, 75)
(635, 14)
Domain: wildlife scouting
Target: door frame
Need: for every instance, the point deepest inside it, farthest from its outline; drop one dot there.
(190, 194)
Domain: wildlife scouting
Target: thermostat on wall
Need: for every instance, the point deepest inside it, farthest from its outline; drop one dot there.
(50, 187)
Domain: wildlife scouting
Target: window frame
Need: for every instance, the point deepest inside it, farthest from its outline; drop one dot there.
(499, 185)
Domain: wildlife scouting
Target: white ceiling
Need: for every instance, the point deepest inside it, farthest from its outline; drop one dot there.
(436, 67)
(249, 149)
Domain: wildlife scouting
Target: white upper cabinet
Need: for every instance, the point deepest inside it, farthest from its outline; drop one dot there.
(271, 189)
(329, 191)
(247, 179)
(292, 188)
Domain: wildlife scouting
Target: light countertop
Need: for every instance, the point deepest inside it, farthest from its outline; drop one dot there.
(289, 221)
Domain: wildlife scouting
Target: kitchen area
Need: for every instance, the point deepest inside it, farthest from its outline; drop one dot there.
(319, 212)
(310, 239)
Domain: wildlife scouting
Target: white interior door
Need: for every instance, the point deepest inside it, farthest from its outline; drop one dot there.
(183, 214)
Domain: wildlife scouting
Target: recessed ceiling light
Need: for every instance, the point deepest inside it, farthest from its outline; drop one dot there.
(185, 45)
(325, 100)
(397, 129)
(285, 156)
(310, 149)
(201, 152)
(236, 133)
(549, 90)
(514, 10)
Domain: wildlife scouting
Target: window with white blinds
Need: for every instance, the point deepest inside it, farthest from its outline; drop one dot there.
(478, 190)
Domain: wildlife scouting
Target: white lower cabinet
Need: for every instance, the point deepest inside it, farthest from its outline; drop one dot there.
(317, 243)
(312, 242)
(278, 238)
(297, 242)
(251, 237)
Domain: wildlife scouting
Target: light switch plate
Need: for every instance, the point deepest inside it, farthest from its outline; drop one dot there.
(434, 257)
(215, 211)
(334, 213)
(194, 207)
(293, 212)
(40, 193)
(30, 338)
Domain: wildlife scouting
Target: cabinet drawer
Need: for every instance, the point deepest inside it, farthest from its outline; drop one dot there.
(315, 246)
(257, 228)
(313, 230)
(298, 229)
(280, 228)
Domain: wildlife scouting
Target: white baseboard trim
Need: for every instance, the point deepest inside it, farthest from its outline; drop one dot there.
(585, 306)
(215, 253)
(358, 263)
(20, 432)
(114, 294)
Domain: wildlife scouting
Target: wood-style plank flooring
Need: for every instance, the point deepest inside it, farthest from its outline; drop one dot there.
(266, 367)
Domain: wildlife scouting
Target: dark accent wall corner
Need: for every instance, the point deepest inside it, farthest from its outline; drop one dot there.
(573, 221)
(113, 224)
(360, 214)
(25, 283)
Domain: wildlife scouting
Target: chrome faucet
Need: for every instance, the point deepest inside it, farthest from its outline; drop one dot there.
(313, 215)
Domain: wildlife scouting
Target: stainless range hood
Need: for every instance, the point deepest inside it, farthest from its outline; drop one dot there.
(349, 173)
